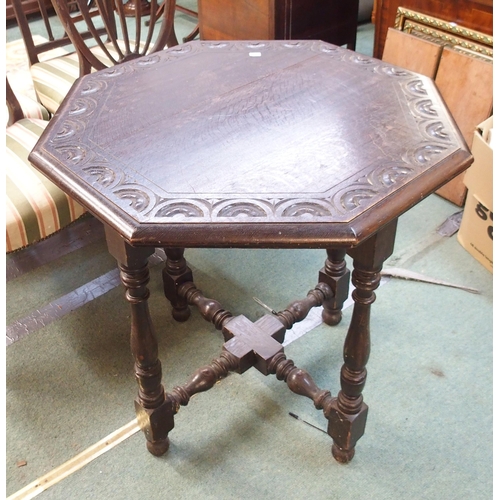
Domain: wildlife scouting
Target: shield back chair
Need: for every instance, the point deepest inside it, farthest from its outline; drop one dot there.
(54, 64)
(22, 106)
(54, 76)
(35, 207)
(126, 35)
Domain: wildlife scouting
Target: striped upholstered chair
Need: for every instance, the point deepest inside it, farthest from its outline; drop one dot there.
(105, 32)
(54, 64)
(35, 208)
(29, 109)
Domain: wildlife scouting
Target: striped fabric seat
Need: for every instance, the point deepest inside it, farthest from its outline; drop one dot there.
(36, 208)
(53, 78)
(30, 108)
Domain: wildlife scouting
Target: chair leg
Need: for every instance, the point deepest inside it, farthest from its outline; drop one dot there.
(193, 34)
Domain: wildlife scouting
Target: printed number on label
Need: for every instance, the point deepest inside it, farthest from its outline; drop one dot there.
(485, 214)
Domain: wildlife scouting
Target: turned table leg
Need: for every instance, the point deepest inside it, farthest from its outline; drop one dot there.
(336, 275)
(347, 415)
(175, 273)
(154, 411)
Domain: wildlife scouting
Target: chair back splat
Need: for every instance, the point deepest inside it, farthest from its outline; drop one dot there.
(51, 37)
(126, 35)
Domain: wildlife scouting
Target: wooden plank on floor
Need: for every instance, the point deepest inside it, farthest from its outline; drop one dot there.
(83, 232)
(58, 474)
(466, 84)
(64, 305)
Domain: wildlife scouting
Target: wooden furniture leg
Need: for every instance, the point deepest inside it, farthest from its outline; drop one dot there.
(193, 34)
(173, 39)
(347, 415)
(175, 273)
(154, 411)
(336, 275)
(130, 8)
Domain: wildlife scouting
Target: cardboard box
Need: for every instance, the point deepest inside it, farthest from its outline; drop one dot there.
(476, 230)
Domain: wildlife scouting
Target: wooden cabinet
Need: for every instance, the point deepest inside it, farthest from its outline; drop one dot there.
(333, 21)
(473, 14)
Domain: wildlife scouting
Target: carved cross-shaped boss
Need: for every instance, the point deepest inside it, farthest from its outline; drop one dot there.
(254, 344)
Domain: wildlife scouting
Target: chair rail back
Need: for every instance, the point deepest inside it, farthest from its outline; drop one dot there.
(130, 30)
(54, 32)
(14, 107)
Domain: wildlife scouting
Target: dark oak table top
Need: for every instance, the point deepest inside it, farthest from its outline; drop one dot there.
(251, 144)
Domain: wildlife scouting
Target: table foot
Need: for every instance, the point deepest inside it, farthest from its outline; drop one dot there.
(181, 315)
(342, 456)
(158, 448)
(331, 318)
(156, 423)
(345, 428)
(336, 275)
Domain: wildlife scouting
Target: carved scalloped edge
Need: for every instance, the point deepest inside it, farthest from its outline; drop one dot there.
(305, 207)
(241, 208)
(422, 109)
(103, 175)
(93, 86)
(182, 208)
(435, 130)
(68, 130)
(382, 179)
(424, 152)
(244, 45)
(74, 154)
(139, 198)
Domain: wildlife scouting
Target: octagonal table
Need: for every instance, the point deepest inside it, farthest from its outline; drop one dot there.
(270, 144)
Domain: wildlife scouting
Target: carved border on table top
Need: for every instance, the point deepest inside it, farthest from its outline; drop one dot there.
(341, 203)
